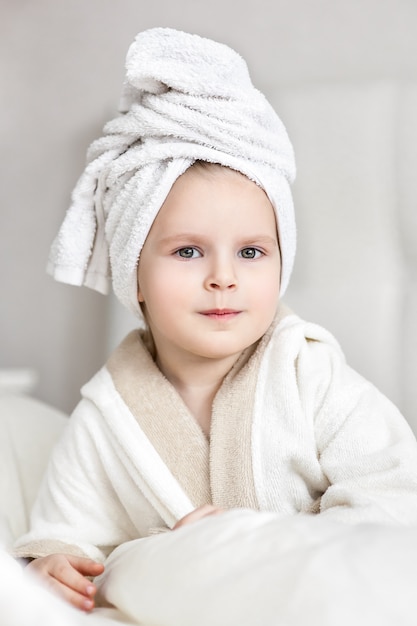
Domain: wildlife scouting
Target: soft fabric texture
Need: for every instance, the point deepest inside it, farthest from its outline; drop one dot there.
(28, 430)
(247, 569)
(185, 98)
(24, 602)
(309, 434)
(242, 568)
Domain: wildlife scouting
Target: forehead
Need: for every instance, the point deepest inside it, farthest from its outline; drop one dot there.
(212, 198)
(209, 181)
(218, 172)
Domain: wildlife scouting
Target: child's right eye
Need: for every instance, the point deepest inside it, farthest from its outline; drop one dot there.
(188, 253)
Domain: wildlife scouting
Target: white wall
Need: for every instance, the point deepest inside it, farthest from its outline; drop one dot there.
(61, 67)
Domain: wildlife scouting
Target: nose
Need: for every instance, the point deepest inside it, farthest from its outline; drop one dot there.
(221, 276)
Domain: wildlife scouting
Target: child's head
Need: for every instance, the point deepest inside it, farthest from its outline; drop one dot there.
(209, 271)
(185, 99)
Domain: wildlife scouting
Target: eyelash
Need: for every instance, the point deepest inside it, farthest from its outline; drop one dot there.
(257, 253)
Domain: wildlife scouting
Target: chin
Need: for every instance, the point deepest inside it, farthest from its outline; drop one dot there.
(222, 351)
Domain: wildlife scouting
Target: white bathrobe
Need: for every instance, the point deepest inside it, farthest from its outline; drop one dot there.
(294, 431)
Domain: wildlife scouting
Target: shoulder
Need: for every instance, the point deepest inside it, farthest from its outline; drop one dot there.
(322, 372)
(312, 358)
(300, 339)
(132, 353)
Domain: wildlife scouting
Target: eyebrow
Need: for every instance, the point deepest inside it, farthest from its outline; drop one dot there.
(193, 237)
(181, 238)
(260, 239)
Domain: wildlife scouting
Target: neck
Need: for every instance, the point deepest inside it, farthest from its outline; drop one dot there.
(201, 374)
(197, 381)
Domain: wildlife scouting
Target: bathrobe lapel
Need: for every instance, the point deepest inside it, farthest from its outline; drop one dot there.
(162, 416)
(218, 471)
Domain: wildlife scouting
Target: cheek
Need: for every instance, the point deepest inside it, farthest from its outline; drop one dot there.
(266, 301)
(149, 278)
(268, 297)
(162, 288)
(265, 285)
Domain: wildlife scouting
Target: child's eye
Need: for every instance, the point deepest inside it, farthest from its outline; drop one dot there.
(188, 253)
(250, 253)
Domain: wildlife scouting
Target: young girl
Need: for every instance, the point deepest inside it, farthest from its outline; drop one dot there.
(226, 399)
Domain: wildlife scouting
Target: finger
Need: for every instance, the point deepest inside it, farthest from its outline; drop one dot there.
(64, 572)
(202, 511)
(85, 566)
(78, 600)
(193, 516)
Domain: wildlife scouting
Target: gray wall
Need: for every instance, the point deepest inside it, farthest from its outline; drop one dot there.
(61, 72)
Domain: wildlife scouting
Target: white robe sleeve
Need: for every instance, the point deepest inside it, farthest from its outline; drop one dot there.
(80, 508)
(365, 447)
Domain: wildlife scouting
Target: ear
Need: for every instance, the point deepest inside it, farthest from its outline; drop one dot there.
(140, 295)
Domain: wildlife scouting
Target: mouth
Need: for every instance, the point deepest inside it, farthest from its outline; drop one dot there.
(221, 314)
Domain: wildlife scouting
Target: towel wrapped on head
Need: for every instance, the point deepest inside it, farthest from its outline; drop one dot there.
(185, 98)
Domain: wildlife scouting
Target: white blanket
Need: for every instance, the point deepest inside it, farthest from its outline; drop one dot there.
(242, 568)
(23, 602)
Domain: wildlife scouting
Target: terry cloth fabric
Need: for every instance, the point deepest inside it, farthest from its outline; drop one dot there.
(294, 431)
(185, 98)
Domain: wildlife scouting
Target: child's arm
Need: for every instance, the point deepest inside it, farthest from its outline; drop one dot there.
(79, 509)
(367, 451)
(66, 576)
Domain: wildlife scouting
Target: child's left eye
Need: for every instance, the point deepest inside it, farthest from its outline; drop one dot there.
(188, 253)
(250, 253)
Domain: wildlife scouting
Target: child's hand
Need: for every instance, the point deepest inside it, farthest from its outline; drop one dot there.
(66, 575)
(194, 516)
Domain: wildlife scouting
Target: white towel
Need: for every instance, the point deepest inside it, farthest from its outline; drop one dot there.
(185, 98)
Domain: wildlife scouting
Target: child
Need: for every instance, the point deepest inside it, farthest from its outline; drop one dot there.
(227, 399)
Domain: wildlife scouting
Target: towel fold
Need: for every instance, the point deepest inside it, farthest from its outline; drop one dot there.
(185, 98)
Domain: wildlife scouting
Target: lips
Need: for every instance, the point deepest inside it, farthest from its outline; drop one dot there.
(221, 314)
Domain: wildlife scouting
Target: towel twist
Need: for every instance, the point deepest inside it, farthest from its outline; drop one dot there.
(185, 98)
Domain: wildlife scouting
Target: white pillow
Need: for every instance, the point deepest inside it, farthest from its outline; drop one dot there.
(6, 536)
(244, 568)
(28, 430)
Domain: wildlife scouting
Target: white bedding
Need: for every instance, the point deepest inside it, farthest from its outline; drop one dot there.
(24, 603)
(252, 569)
(241, 568)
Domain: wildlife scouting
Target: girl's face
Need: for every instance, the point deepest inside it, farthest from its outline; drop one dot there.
(209, 271)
